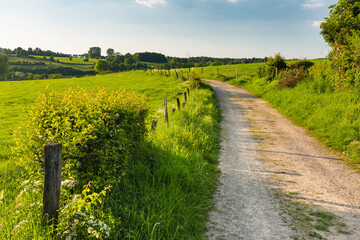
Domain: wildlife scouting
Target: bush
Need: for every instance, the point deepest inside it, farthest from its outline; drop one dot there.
(290, 78)
(306, 64)
(101, 132)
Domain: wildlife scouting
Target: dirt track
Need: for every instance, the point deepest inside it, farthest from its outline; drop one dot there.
(263, 154)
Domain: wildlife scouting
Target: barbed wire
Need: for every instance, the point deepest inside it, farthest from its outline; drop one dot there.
(16, 170)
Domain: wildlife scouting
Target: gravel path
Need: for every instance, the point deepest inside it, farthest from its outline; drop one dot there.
(263, 153)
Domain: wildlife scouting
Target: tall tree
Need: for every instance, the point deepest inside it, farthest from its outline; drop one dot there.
(94, 52)
(342, 32)
(4, 67)
(110, 52)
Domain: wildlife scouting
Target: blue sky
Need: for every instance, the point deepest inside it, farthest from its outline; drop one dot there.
(217, 28)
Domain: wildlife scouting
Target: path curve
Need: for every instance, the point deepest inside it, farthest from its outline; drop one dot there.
(262, 153)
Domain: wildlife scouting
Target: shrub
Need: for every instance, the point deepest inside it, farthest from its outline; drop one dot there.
(276, 62)
(290, 78)
(306, 64)
(100, 131)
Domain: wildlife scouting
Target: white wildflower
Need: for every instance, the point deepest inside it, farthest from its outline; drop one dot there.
(68, 183)
(1, 196)
(19, 225)
(25, 183)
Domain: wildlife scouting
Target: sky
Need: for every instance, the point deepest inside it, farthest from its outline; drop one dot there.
(181, 28)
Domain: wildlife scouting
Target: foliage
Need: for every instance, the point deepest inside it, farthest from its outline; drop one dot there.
(273, 65)
(94, 52)
(110, 52)
(100, 131)
(82, 216)
(342, 31)
(216, 63)
(276, 62)
(150, 57)
(168, 198)
(297, 64)
(291, 77)
(4, 67)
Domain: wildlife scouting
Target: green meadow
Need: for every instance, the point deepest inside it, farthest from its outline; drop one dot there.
(16, 96)
(165, 194)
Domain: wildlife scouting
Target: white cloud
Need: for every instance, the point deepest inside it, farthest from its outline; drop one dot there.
(150, 3)
(313, 4)
(233, 1)
(316, 23)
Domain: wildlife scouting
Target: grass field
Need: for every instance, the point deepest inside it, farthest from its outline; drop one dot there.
(16, 96)
(167, 200)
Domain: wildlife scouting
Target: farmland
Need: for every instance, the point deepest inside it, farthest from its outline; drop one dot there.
(185, 150)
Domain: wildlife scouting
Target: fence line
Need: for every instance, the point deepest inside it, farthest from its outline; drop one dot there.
(17, 169)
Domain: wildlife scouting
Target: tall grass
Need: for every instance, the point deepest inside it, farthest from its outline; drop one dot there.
(169, 198)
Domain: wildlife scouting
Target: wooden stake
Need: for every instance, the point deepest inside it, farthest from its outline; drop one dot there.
(166, 117)
(178, 103)
(52, 183)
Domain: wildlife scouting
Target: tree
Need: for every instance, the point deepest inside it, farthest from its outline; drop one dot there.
(341, 30)
(276, 62)
(94, 52)
(4, 67)
(129, 60)
(110, 52)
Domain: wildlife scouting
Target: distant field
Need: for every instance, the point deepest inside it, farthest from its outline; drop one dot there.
(16, 96)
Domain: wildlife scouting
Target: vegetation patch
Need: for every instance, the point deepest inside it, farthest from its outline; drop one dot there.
(121, 180)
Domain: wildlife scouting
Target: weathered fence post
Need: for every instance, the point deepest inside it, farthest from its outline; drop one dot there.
(52, 183)
(178, 103)
(188, 91)
(276, 72)
(166, 118)
(169, 72)
(185, 96)
(194, 86)
(227, 72)
(202, 70)
(173, 110)
(236, 73)
(217, 71)
(176, 75)
(188, 76)
(153, 124)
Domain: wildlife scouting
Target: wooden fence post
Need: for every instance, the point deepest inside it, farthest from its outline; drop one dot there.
(178, 103)
(176, 75)
(188, 76)
(185, 96)
(173, 110)
(52, 183)
(276, 72)
(153, 124)
(202, 70)
(169, 72)
(188, 91)
(166, 118)
(236, 73)
(217, 71)
(227, 72)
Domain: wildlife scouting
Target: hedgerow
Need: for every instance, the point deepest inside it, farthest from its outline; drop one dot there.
(100, 131)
